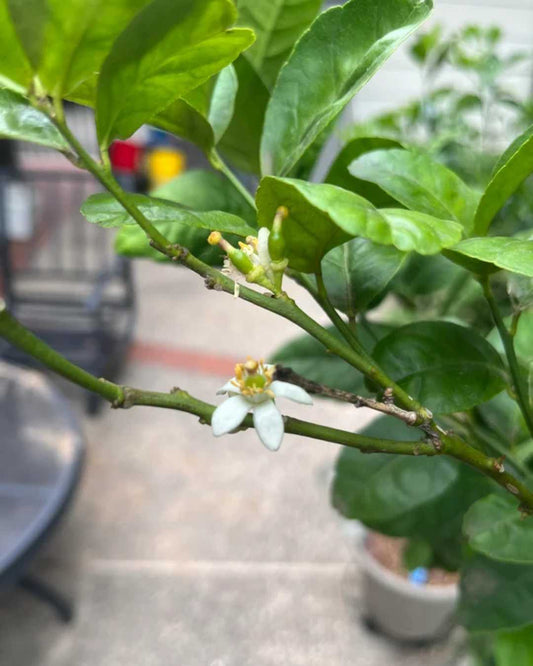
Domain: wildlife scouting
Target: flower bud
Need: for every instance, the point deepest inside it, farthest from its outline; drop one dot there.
(276, 241)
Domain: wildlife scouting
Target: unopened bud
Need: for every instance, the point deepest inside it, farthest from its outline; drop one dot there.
(276, 242)
(214, 238)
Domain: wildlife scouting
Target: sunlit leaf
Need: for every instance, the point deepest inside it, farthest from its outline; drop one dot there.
(331, 62)
(166, 51)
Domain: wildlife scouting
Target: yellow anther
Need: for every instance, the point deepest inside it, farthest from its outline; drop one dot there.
(214, 238)
(283, 212)
(251, 365)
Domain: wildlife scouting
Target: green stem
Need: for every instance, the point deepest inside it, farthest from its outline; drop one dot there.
(282, 304)
(491, 467)
(20, 337)
(218, 163)
(519, 385)
(105, 177)
(125, 397)
(336, 319)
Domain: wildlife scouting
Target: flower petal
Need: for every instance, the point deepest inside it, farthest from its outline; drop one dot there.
(262, 247)
(229, 387)
(291, 391)
(269, 424)
(229, 415)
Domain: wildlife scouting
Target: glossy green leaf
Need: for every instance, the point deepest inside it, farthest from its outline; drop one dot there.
(419, 183)
(322, 216)
(330, 63)
(277, 25)
(15, 70)
(222, 102)
(240, 143)
(496, 528)
(203, 116)
(205, 191)
(405, 496)
(495, 595)
(488, 254)
(514, 648)
(183, 120)
(513, 167)
(357, 272)
(66, 42)
(20, 121)
(312, 360)
(448, 368)
(340, 176)
(166, 51)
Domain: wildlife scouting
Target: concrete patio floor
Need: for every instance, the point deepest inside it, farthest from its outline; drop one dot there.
(182, 549)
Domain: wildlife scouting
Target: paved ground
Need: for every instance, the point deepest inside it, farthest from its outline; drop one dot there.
(185, 550)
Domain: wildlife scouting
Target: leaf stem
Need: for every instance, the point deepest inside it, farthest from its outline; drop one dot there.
(218, 163)
(519, 385)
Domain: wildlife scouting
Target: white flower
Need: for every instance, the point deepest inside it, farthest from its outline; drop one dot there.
(253, 388)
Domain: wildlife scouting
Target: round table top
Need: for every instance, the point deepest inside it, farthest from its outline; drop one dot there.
(41, 453)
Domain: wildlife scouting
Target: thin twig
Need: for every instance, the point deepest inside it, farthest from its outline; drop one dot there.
(387, 407)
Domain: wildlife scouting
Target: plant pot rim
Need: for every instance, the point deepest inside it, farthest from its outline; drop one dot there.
(402, 585)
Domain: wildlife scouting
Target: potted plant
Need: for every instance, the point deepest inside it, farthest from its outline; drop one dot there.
(386, 219)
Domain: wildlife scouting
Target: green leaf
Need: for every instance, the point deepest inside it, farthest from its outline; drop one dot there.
(322, 216)
(340, 176)
(166, 51)
(20, 121)
(183, 120)
(496, 528)
(513, 167)
(312, 360)
(419, 183)
(205, 191)
(330, 63)
(495, 595)
(418, 232)
(406, 496)
(201, 190)
(15, 70)
(357, 272)
(240, 143)
(488, 254)
(204, 114)
(106, 211)
(222, 103)
(66, 42)
(449, 368)
(277, 25)
(514, 648)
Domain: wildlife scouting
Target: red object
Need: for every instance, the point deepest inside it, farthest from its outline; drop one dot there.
(125, 156)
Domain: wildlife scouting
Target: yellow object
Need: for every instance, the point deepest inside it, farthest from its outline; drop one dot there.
(164, 164)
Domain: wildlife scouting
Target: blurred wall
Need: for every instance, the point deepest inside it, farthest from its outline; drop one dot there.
(399, 80)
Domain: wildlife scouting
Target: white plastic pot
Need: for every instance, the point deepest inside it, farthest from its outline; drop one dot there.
(403, 610)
